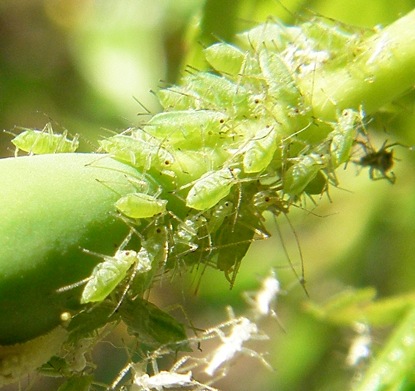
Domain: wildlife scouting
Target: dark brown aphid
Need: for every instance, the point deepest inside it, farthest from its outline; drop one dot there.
(379, 162)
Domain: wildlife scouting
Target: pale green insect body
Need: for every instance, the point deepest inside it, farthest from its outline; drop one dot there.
(178, 98)
(190, 165)
(38, 142)
(211, 188)
(220, 212)
(343, 136)
(189, 129)
(139, 149)
(186, 234)
(299, 175)
(278, 77)
(272, 36)
(220, 93)
(260, 150)
(225, 58)
(108, 274)
(140, 205)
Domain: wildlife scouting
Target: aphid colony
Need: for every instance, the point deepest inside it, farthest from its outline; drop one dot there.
(231, 143)
(228, 136)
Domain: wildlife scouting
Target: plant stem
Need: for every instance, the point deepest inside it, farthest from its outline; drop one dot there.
(382, 71)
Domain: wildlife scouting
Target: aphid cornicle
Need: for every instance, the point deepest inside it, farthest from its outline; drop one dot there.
(38, 142)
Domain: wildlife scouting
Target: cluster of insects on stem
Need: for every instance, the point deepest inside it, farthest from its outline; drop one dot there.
(232, 144)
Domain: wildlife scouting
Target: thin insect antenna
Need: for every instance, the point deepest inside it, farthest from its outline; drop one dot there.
(147, 111)
(300, 279)
(283, 142)
(9, 132)
(72, 286)
(285, 8)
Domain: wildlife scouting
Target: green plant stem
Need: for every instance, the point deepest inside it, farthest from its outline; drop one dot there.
(53, 206)
(383, 70)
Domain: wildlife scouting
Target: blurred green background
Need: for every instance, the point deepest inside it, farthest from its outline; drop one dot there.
(85, 65)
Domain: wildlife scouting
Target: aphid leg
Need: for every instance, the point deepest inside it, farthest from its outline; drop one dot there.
(300, 278)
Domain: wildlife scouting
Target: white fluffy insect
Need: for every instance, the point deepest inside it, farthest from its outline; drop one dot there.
(242, 331)
(161, 380)
(38, 142)
(165, 379)
(263, 300)
(360, 349)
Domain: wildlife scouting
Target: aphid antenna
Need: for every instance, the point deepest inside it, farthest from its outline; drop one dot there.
(292, 135)
(147, 111)
(300, 277)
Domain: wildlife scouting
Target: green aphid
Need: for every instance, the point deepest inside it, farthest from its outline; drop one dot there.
(260, 150)
(278, 77)
(219, 213)
(220, 93)
(186, 233)
(140, 205)
(225, 58)
(139, 149)
(343, 136)
(179, 98)
(211, 188)
(189, 129)
(301, 173)
(233, 239)
(272, 36)
(153, 326)
(39, 142)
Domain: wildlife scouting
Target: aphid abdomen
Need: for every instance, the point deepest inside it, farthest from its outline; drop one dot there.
(107, 275)
(278, 77)
(299, 175)
(211, 188)
(140, 205)
(221, 93)
(39, 142)
(225, 58)
(138, 151)
(189, 129)
(342, 137)
(260, 150)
